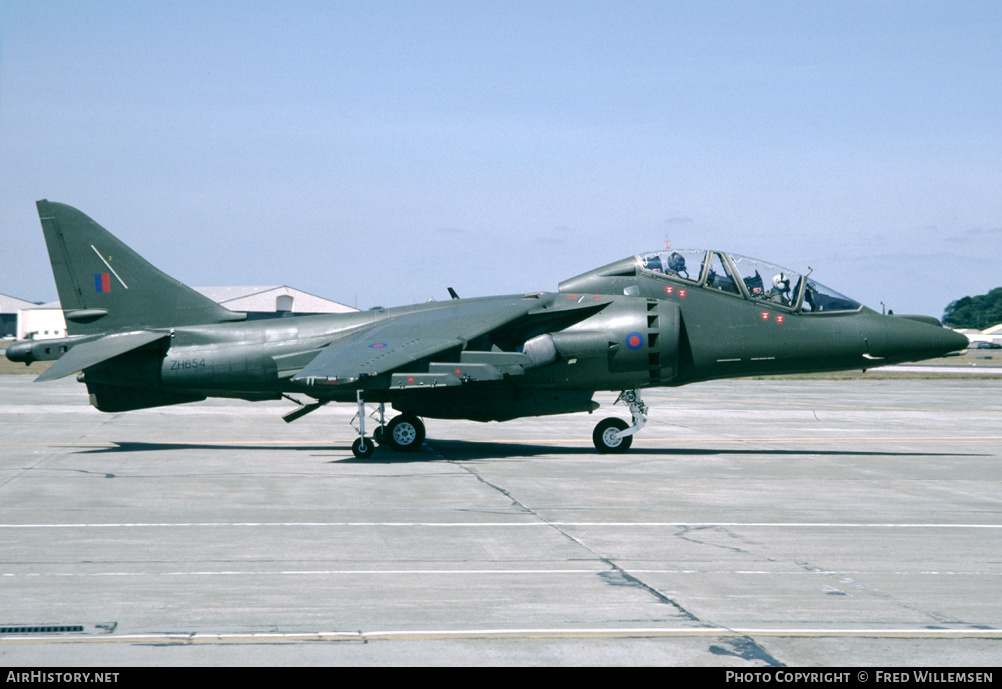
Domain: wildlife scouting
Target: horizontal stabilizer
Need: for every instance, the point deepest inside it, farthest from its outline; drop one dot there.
(94, 352)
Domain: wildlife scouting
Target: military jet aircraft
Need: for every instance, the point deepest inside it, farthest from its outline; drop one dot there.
(663, 318)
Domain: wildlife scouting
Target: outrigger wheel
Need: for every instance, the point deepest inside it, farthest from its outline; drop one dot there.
(405, 433)
(363, 447)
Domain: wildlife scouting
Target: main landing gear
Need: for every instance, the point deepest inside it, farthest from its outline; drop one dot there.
(614, 435)
(404, 433)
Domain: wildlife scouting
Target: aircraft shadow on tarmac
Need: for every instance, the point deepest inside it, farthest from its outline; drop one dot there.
(116, 447)
(463, 450)
(452, 450)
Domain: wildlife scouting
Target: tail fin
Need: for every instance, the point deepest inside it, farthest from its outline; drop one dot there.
(105, 286)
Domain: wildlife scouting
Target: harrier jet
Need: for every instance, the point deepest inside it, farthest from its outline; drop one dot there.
(664, 318)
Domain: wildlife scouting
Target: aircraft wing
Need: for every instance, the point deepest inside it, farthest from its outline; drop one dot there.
(94, 352)
(403, 339)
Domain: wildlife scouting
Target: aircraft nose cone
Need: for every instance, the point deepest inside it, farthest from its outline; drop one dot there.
(956, 340)
(901, 338)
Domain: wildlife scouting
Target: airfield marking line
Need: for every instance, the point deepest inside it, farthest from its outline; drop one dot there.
(306, 572)
(536, 524)
(713, 439)
(113, 443)
(674, 442)
(821, 438)
(480, 572)
(770, 403)
(513, 633)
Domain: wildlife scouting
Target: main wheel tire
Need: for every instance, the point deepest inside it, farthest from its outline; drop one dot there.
(379, 435)
(363, 448)
(604, 436)
(405, 433)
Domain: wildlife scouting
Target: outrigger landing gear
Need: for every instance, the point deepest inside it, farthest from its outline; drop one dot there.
(614, 435)
(362, 447)
(404, 433)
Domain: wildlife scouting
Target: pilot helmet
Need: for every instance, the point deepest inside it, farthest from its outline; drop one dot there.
(781, 282)
(651, 262)
(676, 263)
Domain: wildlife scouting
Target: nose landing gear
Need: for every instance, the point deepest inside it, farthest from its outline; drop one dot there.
(614, 435)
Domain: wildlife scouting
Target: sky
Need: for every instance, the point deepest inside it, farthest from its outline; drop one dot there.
(377, 153)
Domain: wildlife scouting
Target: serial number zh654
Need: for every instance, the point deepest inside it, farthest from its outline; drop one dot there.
(179, 364)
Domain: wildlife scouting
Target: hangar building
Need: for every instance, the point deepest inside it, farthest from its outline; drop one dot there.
(282, 301)
(9, 307)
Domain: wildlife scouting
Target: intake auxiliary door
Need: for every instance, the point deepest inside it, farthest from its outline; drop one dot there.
(651, 339)
(664, 326)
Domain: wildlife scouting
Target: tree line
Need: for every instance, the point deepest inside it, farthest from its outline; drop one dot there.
(982, 311)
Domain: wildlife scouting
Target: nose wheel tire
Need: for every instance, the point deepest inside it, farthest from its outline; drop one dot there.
(605, 438)
(405, 433)
(363, 448)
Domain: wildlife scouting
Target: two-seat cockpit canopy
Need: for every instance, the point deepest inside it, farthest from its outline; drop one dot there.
(745, 277)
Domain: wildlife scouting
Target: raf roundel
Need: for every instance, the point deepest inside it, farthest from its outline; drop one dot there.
(377, 345)
(634, 341)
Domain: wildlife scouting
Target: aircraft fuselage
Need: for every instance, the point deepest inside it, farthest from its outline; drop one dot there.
(664, 318)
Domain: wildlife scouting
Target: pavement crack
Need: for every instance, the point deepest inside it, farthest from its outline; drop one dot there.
(624, 575)
(514, 501)
(685, 533)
